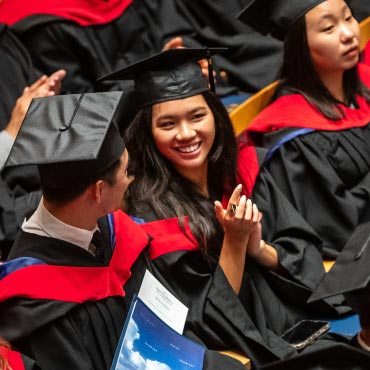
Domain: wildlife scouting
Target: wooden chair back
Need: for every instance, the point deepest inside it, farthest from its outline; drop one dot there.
(365, 32)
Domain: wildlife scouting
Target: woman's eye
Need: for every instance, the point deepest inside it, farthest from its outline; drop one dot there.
(198, 116)
(349, 18)
(166, 124)
(328, 29)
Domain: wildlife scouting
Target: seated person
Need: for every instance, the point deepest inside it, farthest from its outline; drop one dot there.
(67, 317)
(62, 284)
(89, 38)
(245, 280)
(317, 131)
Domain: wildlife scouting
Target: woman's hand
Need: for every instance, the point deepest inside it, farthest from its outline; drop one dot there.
(44, 86)
(178, 43)
(239, 220)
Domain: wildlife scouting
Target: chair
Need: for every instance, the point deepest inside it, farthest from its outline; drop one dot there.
(244, 360)
(365, 32)
(243, 115)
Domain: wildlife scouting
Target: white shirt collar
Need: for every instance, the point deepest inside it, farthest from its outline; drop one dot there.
(43, 223)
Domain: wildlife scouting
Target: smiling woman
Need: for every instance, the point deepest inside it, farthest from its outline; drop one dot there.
(235, 272)
(184, 134)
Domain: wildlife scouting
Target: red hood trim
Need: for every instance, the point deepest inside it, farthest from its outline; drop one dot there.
(83, 12)
(293, 111)
(167, 236)
(81, 284)
(14, 358)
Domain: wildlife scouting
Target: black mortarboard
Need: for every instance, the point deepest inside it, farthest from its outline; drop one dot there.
(333, 357)
(275, 17)
(351, 271)
(170, 75)
(69, 137)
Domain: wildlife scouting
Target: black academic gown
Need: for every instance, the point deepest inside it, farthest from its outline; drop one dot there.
(19, 187)
(70, 312)
(16, 72)
(67, 319)
(321, 166)
(268, 303)
(89, 52)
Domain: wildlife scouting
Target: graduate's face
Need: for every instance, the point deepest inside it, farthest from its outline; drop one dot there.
(114, 193)
(333, 37)
(184, 131)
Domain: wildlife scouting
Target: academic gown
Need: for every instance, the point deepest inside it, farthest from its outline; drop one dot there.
(90, 48)
(321, 166)
(19, 187)
(112, 37)
(56, 40)
(66, 310)
(268, 303)
(77, 325)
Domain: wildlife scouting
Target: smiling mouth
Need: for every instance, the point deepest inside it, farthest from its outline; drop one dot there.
(189, 149)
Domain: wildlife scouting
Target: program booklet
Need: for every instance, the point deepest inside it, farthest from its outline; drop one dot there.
(147, 343)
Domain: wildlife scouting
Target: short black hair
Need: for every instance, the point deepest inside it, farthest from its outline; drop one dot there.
(62, 196)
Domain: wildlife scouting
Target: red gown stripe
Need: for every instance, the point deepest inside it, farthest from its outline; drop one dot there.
(14, 358)
(83, 12)
(81, 284)
(168, 236)
(293, 111)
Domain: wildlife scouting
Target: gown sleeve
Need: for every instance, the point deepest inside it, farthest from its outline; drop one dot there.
(325, 176)
(217, 317)
(297, 244)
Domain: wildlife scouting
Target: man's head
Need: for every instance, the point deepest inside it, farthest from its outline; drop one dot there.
(78, 150)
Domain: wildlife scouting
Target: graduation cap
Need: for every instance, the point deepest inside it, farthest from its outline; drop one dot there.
(69, 137)
(169, 75)
(337, 356)
(275, 17)
(351, 271)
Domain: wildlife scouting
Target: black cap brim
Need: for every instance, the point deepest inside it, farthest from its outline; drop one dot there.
(162, 61)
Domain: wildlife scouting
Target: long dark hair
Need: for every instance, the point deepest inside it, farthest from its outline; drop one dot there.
(299, 75)
(159, 187)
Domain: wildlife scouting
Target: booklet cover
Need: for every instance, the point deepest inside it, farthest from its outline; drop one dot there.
(164, 304)
(147, 343)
